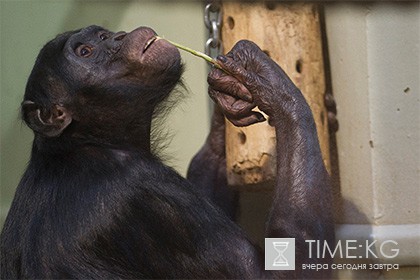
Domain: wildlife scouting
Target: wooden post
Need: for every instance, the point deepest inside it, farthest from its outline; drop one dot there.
(290, 34)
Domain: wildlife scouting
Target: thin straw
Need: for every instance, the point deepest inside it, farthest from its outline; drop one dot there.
(196, 53)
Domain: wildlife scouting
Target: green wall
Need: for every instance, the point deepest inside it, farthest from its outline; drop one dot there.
(26, 25)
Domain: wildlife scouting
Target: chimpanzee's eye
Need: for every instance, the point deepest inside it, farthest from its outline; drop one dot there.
(103, 36)
(84, 51)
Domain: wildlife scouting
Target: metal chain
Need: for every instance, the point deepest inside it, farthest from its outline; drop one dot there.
(213, 21)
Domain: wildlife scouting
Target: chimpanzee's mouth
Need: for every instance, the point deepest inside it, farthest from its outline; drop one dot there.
(149, 43)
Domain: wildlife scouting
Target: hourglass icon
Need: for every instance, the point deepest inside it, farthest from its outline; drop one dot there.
(280, 247)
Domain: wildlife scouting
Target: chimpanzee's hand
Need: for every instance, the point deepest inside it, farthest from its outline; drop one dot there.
(253, 80)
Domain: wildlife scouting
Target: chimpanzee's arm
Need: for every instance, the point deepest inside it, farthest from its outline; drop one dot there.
(302, 201)
(207, 170)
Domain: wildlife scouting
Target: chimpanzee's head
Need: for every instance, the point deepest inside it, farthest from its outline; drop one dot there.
(99, 84)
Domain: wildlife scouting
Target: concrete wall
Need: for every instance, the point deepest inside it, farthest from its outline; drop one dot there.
(27, 25)
(374, 53)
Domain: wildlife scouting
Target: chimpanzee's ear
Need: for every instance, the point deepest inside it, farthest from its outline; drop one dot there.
(48, 122)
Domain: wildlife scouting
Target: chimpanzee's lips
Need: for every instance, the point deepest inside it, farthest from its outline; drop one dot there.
(145, 48)
(149, 43)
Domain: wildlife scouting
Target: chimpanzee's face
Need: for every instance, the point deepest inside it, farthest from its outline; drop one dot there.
(97, 55)
(101, 80)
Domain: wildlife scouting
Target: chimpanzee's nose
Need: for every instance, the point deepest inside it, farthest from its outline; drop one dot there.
(119, 36)
(114, 43)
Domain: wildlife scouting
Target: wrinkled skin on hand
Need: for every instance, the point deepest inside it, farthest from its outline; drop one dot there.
(253, 80)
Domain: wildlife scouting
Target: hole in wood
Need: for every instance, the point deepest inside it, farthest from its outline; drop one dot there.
(270, 5)
(322, 117)
(230, 22)
(299, 66)
(242, 137)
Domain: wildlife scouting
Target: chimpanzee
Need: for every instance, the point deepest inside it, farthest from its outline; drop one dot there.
(97, 202)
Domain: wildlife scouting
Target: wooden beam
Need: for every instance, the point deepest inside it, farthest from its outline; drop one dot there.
(290, 34)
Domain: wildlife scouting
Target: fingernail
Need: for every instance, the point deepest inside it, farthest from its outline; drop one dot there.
(261, 118)
(221, 58)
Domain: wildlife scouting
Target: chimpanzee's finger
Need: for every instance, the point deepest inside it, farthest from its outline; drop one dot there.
(235, 69)
(239, 112)
(222, 82)
(255, 117)
(231, 106)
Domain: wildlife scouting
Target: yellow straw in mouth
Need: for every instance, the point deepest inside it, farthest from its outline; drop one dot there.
(196, 53)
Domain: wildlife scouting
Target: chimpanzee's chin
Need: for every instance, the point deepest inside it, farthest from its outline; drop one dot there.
(173, 74)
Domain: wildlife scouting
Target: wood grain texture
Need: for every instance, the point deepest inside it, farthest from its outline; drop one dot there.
(290, 34)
